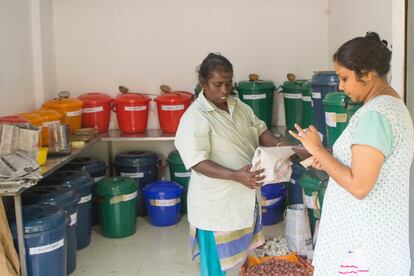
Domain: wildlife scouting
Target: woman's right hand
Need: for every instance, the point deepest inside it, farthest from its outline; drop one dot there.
(248, 178)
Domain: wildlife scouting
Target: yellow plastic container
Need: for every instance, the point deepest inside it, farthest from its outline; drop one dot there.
(70, 108)
(49, 116)
(41, 155)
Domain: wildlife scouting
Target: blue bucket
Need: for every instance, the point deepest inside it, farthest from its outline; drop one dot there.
(295, 191)
(142, 166)
(65, 198)
(44, 236)
(82, 183)
(163, 202)
(272, 201)
(322, 83)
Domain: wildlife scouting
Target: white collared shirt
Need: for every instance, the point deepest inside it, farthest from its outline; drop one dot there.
(228, 139)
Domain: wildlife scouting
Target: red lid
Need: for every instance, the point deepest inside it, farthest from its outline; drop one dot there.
(95, 98)
(175, 97)
(132, 98)
(13, 120)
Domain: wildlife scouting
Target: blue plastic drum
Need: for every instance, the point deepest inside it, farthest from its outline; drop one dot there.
(82, 183)
(163, 202)
(63, 197)
(272, 201)
(323, 82)
(295, 191)
(44, 235)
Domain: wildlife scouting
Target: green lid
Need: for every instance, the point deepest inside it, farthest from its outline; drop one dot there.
(306, 87)
(114, 186)
(174, 158)
(257, 85)
(340, 99)
(311, 180)
(292, 86)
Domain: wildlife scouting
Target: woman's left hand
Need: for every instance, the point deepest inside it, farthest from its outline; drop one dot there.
(309, 138)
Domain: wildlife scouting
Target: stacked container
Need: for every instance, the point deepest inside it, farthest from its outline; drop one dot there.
(308, 116)
(170, 107)
(132, 112)
(96, 110)
(293, 103)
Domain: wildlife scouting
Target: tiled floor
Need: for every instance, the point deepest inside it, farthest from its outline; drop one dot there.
(152, 251)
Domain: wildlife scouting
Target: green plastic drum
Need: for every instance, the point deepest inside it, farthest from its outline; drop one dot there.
(311, 182)
(292, 97)
(259, 95)
(197, 89)
(339, 108)
(308, 116)
(179, 174)
(117, 206)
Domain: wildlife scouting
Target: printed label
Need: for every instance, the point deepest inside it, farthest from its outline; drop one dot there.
(46, 248)
(341, 118)
(270, 201)
(182, 174)
(330, 119)
(73, 218)
(254, 97)
(307, 98)
(92, 109)
(133, 175)
(164, 202)
(120, 198)
(73, 113)
(309, 202)
(47, 124)
(96, 179)
(135, 108)
(293, 181)
(292, 96)
(172, 107)
(316, 95)
(85, 199)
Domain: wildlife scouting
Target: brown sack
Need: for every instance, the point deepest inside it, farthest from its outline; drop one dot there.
(9, 260)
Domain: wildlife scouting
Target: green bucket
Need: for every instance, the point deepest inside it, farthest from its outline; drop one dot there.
(308, 116)
(339, 109)
(179, 174)
(292, 98)
(117, 206)
(258, 94)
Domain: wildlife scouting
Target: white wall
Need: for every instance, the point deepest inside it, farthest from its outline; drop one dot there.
(16, 59)
(101, 44)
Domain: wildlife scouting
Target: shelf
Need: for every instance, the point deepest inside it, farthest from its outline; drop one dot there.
(54, 163)
(12, 188)
(149, 135)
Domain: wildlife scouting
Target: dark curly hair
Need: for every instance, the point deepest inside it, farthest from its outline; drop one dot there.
(365, 54)
(213, 62)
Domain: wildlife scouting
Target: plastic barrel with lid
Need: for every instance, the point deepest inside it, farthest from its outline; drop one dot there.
(142, 167)
(311, 183)
(82, 183)
(117, 206)
(96, 110)
(132, 112)
(96, 168)
(63, 197)
(295, 192)
(308, 116)
(323, 82)
(258, 94)
(339, 109)
(292, 98)
(272, 201)
(44, 238)
(179, 174)
(163, 202)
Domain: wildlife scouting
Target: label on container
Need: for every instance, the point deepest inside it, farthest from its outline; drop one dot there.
(293, 181)
(330, 119)
(309, 202)
(96, 179)
(254, 97)
(133, 175)
(46, 248)
(341, 117)
(85, 199)
(47, 124)
(172, 107)
(292, 96)
(73, 218)
(135, 108)
(316, 95)
(182, 174)
(164, 202)
(307, 98)
(271, 201)
(92, 109)
(73, 113)
(121, 198)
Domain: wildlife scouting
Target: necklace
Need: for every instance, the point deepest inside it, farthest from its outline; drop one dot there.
(377, 92)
